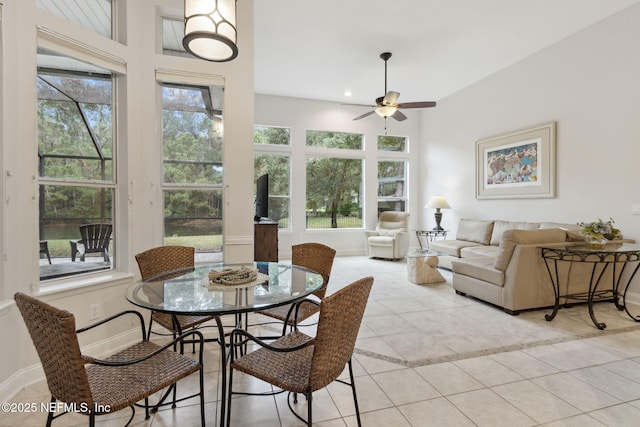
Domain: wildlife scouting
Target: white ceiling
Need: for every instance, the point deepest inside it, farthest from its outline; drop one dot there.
(320, 49)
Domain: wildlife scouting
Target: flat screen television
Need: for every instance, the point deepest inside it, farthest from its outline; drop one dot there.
(262, 198)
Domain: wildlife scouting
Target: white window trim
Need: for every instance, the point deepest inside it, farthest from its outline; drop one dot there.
(53, 40)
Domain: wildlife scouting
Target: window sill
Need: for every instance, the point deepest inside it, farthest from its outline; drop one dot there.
(76, 285)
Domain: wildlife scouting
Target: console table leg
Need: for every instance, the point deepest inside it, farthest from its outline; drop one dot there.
(555, 284)
(624, 294)
(593, 286)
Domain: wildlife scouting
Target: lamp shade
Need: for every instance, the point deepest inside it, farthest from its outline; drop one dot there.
(210, 31)
(438, 202)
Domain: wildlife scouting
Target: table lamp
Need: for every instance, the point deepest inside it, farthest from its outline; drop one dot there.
(438, 202)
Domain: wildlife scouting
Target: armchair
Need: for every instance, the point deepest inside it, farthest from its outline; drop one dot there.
(390, 239)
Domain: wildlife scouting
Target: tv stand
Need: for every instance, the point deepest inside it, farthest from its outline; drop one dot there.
(265, 241)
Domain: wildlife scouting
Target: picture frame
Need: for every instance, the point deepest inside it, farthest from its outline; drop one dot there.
(520, 164)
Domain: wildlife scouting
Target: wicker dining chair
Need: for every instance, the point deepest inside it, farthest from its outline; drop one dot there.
(298, 363)
(100, 386)
(158, 263)
(316, 257)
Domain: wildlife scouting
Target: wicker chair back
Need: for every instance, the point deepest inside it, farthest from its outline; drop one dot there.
(53, 332)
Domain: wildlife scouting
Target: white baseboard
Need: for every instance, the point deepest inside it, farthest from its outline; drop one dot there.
(34, 373)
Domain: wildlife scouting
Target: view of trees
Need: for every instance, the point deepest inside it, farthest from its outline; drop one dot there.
(192, 161)
(76, 158)
(75, 151)
(334, 185)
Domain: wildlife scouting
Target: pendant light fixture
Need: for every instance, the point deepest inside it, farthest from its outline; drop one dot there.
(210, 31)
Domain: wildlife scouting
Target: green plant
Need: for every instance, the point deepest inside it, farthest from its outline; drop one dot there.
(599, 229)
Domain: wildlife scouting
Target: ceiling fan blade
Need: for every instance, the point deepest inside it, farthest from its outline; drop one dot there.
(399, 116)
(365, 115)
(425, 104)
(359, 105)
(390, 98)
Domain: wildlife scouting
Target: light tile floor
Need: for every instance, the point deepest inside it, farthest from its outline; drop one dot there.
(428, 357)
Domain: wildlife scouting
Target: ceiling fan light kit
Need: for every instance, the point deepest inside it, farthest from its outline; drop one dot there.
(210, 31)
(385, 111)
(387, 106)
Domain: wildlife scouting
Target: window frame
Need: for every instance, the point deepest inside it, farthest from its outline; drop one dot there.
(79, 51)
(338, 153)
(281, 150)
(172, 78)
(394, 156)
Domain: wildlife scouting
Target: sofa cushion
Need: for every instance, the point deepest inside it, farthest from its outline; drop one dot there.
(479, 268)
(478, 251)
(473, 230)
(511, 238)
(451, 247)
(386, 241)
(500, 227)
(573, 230)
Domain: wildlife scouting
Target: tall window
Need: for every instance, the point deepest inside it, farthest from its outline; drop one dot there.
(192, 168)
(272, 157)
(76, 159)
(334, 179)
(392, 173)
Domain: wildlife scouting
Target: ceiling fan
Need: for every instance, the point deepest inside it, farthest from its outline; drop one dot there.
(387, 106)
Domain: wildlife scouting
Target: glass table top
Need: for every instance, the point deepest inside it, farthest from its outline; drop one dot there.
(188, 291)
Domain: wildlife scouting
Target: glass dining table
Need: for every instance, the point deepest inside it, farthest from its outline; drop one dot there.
(198, 291)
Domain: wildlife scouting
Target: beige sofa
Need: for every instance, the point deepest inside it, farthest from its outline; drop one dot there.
(500, 262)
(481, 238)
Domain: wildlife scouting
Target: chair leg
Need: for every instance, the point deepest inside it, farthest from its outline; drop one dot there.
(150, 323)
(228, 408)
(286, 320)
(202, 394)
(309, 406)
(353, 389)
(50, 415)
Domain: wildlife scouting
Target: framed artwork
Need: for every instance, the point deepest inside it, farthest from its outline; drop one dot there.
(519, 164)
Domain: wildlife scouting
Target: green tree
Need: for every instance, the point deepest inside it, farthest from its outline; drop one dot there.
(332, 182)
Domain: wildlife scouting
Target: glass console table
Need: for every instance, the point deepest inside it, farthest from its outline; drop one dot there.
(622, 259)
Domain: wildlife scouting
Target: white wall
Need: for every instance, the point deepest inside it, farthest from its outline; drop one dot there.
(589, 85)
(139, 201)
(300, 115)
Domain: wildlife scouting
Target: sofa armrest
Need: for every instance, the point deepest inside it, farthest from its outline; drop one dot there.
(369, 233)
(527, 283)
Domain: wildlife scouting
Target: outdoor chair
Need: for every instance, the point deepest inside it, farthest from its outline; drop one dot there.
(94, 386)
(298, 363)
(158, 262)
(316, 257)
(95, 238)
(44, 250)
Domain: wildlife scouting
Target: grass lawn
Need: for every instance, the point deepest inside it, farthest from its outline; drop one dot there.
(60, 248)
